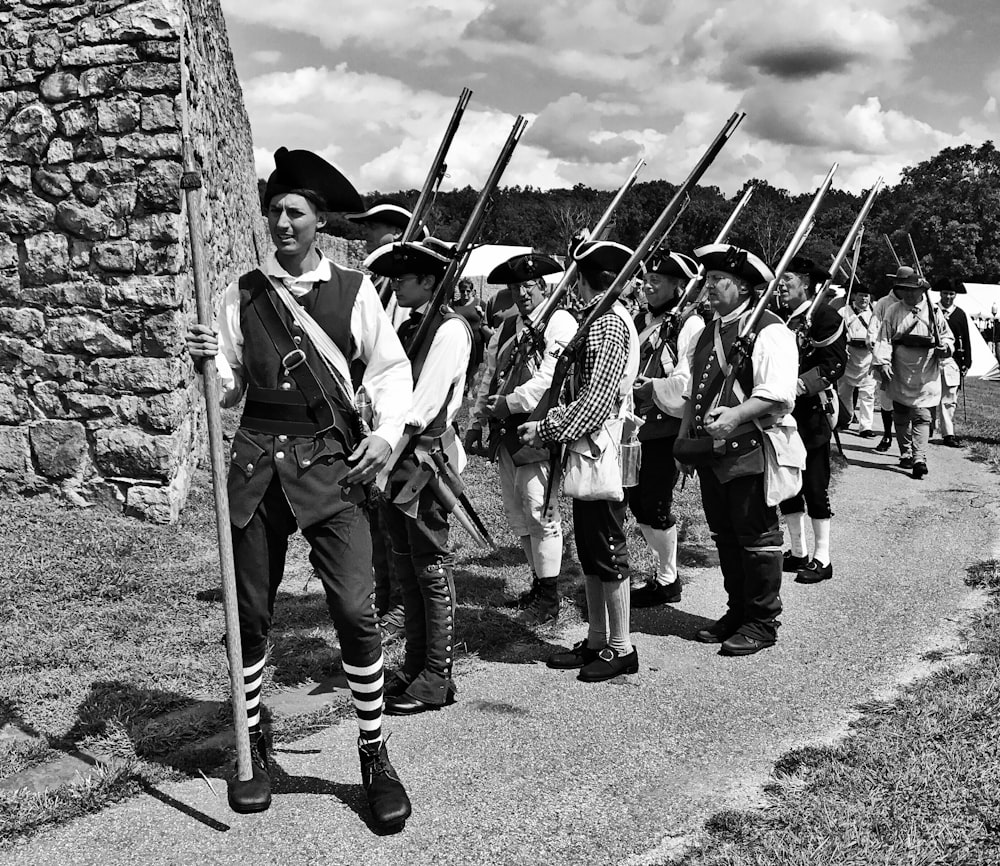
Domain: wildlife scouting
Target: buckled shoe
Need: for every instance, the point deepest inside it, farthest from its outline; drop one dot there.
(609, 664)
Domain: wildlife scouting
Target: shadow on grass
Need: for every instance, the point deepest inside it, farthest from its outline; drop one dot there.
(668, 621)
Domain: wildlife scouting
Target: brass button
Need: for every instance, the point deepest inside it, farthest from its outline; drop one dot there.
(279, 454)
(249, 467)
(282, 438)
(306, 462)
(286, 386)
(732, 445)
(296, 340)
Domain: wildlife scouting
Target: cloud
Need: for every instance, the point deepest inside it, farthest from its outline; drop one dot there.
(802, 62)
(266, 57)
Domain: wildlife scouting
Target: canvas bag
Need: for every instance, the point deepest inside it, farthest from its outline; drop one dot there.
(593, 462)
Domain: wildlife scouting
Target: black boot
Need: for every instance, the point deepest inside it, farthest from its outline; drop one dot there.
(526, 598)
(387, 798)
(545, 607)
(253, 795)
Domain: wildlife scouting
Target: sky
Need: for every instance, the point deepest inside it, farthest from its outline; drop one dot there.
(874, 85)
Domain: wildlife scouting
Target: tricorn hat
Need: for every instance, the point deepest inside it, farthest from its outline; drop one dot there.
(603, 255)
(396, 259)
(733, 260)
(907, 278)
(523, 268)
(673, 265)
(949, 284)
(808, 268)
(388, 211)
(304, 170)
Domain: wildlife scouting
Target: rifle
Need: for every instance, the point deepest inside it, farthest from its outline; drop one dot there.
(433, 181)
(531, 339)
(854, 266)
(935, 332)
(845, 248)
(191, 184)
(892, 250)
(742, 348)
(655, 235)
(692, 293)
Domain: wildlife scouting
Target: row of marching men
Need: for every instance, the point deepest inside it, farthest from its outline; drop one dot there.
(293, 338)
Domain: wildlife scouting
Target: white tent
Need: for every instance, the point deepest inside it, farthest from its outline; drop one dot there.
(980, 299)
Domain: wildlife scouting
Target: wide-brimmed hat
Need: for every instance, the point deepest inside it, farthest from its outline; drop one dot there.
(670, 264)
(523, 268)
(907, 278)
(741, 263)
(603, 255)
(304, 170)
(396, 259)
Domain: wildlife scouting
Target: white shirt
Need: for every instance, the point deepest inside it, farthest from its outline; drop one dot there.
(668, 392)
(524, 398)
(442, 377)
(387, 379)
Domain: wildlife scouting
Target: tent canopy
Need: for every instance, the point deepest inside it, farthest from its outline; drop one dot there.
(980, 300)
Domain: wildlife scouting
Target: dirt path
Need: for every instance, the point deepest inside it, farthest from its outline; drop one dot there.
(532, 766)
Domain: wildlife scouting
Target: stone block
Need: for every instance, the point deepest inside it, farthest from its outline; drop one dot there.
(165, 411)
(46, 259)
(103, 409)
(153, 292)
(149, 19)
(118, 115)
(86, 334)
(18, 176)
(156, 146)
(118, 256)
(60, 86)
(23, 213)
(8, 253)
(26, 137)
(156, 49)
(79, 254)
(119, 199)
(158, 112)
(152, 77)
(93, 147)
(22, 322)
(84, 292)
(99, 55)
(54, 183)
(46, 50)
(101, 80)
(138, 375)
(60, 150)
(163, 335)
(155, 504)
(15, 452)
(75, 120)
(160, 185)
(60, 448)
(131, 453)
(160, 259)
(12, 406)
(91, 223)
(164, 227)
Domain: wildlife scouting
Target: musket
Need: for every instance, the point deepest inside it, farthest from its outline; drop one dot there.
(530, 337)
(654, 235)
(935, 332)
(435, 175)
(743, 345)
(841, 257)
(691, 295)
(854, 266)
(454, 482)
(191, 184)
(892, 250)
(470, 233)
(426, 475)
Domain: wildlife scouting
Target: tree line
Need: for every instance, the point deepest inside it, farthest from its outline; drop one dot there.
(949, 204)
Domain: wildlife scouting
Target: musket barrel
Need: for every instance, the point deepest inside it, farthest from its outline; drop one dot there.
(892, 250)
(790, 252)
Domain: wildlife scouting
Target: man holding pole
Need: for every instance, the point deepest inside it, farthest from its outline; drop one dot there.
(503, 404)
(822, 358)
(862, 329)
(413, 514)
(284, 337)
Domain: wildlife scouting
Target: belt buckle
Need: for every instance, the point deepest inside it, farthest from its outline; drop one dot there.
(299, 356)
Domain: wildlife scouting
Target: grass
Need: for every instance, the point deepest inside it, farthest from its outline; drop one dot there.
(917, 781)
(111, 624)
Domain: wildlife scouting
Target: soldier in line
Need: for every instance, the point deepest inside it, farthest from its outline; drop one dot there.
(822, 359)
(285, 336)
(727, 447)
(603, 372)
(913, 340)
(858, 379)
(953, 369)
(666, 346)
(416, 519)
(879, 311)
(524, 471)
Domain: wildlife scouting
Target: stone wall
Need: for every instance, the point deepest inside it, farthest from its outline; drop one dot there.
(98, 400)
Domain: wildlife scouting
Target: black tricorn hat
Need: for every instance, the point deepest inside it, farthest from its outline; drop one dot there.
(736, 261)
(670, 264)
(385, 210)
(304, 170)
(523, 268)
(603, 255)
(948, 284)
(396, 259)
(808, 268)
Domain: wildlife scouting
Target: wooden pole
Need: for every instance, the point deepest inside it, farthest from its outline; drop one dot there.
(191, 184)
